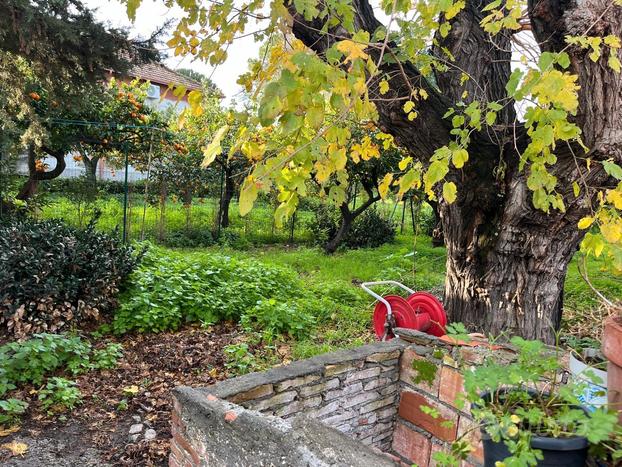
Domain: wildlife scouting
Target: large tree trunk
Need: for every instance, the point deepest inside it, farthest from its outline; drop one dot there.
(506, 260)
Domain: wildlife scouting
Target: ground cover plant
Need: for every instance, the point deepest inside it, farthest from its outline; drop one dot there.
(35, 362)
(52, 275)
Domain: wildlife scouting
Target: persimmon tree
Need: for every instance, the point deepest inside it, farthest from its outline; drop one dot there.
(516, 192)
(110, 121)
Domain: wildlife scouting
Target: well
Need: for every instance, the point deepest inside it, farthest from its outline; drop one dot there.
(354, 407)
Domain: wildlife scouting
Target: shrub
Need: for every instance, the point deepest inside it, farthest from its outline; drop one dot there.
(189, 238)
(59, 394)
(369, 230)
(274, 317)
(169, 289)
(52, 274)
(33, 360)
(239, 359)
(10, 411)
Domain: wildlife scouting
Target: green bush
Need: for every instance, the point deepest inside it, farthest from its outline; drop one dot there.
(52, 274)
(369, 230)
(171, 289)
(274, 318)
(35, 359)
(189, 238)
(59, 395)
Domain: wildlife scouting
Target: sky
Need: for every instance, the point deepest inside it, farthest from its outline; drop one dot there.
(153, 14)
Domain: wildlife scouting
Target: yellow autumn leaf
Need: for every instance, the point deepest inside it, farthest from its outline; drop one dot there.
(9, 431)
(408, 106)
(213, 148)
(384, 86)
(585, 222)
(611, 231)
(449, 192)
(615, 198)
(131, 390)
(459, 157)
(383, 188)
(352, 50)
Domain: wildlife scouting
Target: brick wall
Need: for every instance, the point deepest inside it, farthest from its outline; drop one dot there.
(353, 391)
(371, 395)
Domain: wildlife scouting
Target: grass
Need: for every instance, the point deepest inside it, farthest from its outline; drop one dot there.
(423, 271)
(258, 227)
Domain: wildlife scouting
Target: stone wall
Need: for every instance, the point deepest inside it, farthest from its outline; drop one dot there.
(354, 391)
(371, 396)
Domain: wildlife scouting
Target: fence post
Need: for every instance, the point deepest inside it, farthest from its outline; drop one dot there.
(219, 219)
(125, 194)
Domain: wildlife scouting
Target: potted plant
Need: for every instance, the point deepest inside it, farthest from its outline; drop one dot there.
(612, 349)
(588, 364)
(527, 417)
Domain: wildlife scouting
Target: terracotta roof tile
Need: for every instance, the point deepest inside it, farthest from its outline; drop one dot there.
(158, 73)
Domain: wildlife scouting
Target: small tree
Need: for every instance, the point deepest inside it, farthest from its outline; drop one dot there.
(377, 159)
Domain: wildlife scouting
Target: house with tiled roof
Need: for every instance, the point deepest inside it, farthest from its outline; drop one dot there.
(162, 79)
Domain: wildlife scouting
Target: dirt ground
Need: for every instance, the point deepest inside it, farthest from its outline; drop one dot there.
(134, 397)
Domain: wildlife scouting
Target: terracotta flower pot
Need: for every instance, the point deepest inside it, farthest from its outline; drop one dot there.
(612, 349)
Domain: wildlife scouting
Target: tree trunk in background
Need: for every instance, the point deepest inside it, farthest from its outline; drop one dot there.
(347, 219)
(162, 224)
(227, 196)
(506, 260)
(90, 169)
(29, 188)
(344, 227)
(436, 231)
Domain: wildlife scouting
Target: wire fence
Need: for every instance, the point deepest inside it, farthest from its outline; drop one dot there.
(139, 212)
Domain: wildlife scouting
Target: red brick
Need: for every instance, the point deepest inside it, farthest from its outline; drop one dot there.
(412, 445)
(408, 373)
(185, 445)
(451, 387)
(410, 409)
(466, 425)
(230, 416)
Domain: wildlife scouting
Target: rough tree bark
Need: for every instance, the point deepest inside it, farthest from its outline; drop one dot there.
(506, 260)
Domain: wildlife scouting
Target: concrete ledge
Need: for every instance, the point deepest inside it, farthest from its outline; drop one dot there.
(225, 434)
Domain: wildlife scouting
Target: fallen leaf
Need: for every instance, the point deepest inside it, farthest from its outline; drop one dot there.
(18, 449)
(8, 431)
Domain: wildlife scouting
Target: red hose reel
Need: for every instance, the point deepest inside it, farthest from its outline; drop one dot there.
(420, 310)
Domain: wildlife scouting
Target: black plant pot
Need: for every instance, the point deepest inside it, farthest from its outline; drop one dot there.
(556, 452)
(559, 452)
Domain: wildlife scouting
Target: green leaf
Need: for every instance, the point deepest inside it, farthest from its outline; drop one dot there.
(513, 82)
(613, 169)
(449, 192)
